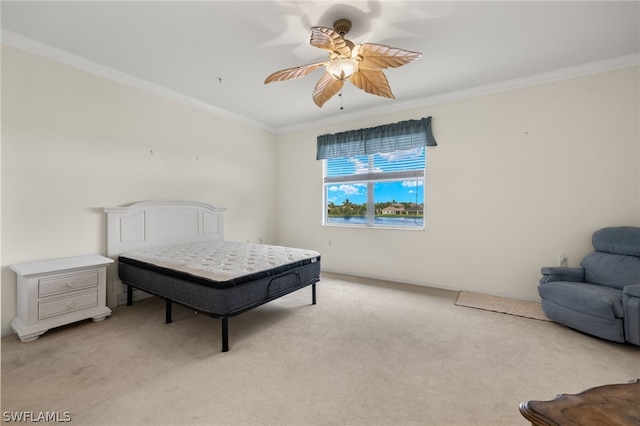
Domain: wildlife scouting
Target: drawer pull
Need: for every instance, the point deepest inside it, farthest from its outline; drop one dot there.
(50, 308)
(61, 283)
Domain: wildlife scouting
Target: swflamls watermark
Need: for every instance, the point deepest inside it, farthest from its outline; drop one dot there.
(36, 416)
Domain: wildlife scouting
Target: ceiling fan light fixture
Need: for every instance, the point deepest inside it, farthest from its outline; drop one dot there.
(345, 62)
(342, 68)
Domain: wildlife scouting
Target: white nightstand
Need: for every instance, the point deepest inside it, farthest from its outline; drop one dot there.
(56, 292)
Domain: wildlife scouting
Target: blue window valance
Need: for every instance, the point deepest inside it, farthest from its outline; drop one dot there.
(386, 138)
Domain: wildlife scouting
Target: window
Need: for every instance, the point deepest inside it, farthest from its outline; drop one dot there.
(375, 177)
(383, 189)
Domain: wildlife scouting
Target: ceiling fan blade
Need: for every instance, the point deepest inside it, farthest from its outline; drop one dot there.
(378, 56)
(295, 72)
(328, 39)
(326, 88)
(372, 81)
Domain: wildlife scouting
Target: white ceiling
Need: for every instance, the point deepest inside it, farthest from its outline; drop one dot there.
(216, 54)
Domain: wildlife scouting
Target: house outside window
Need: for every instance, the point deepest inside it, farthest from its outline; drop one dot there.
(375, 177)
(377, 190)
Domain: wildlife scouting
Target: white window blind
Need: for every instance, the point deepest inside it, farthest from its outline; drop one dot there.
(378, 190)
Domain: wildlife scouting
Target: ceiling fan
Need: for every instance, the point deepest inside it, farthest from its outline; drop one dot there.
(361, 64)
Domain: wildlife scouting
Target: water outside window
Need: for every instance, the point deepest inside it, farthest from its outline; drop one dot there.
(385, 190)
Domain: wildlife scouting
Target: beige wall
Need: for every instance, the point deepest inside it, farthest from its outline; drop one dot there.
(73, 143)
(517, 178)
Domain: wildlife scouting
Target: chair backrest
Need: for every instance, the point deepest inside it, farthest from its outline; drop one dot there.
(618, 240)
(616, 261)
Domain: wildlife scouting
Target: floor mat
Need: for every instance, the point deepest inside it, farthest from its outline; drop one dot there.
(521, 308)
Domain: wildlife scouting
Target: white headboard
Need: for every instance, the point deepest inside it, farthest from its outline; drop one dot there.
(159, 223)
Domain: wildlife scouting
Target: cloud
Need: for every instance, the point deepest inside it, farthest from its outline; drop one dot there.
(350, 189)
(412, 183)
(402, 155)
(360, 166)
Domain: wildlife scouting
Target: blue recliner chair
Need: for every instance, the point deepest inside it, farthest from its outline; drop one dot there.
(602, 298)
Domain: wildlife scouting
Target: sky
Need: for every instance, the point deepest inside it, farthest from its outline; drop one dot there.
(400, 190)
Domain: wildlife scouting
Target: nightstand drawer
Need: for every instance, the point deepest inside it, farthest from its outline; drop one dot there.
(63, 283)
(68, 304)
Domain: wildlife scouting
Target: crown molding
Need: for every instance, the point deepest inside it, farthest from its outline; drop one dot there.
(24, 43)
(21, 42)
(488, 89)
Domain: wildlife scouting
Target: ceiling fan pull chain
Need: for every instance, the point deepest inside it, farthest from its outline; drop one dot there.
(340, 94)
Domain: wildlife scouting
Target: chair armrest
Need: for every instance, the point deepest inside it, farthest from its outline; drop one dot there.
(632, 290)
(561, 273)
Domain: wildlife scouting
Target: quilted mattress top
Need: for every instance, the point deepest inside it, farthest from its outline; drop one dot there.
(222, 260)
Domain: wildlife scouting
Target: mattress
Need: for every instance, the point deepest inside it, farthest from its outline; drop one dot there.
(221, 264)
(222, 277)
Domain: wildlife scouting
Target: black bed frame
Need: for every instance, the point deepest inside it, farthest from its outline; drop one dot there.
(225, 317)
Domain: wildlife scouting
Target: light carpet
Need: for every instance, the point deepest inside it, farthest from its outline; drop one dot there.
(521, 308)
(370, 353)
